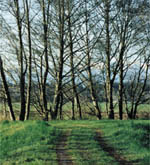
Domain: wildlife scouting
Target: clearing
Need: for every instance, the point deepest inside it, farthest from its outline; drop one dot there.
(75, 142)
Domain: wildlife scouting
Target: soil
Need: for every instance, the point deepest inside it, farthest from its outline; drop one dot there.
(63, 157)
(110, 150)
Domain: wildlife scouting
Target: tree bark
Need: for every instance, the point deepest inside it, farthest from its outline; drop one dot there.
(75, 98)
(28, 102)
(90, 80)
(44, 79)
(109, 83)
(58, 88)
(12, 115)
(22, 73)
(121, 84)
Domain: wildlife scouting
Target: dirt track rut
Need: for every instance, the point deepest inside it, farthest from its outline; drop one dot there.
(110, 150)
(63, 157)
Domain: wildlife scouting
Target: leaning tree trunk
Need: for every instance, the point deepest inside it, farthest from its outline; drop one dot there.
(12, 115)
(147, 65)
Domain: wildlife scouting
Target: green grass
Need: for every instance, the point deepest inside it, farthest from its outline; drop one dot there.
(27, 142)
(86, 150)
(141, 108)
(130, 139)
(34, 142)
(143, 111)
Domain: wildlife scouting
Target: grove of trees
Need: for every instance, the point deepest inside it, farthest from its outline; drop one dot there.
(76, 51)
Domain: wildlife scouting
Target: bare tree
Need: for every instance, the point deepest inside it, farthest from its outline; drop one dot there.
(28, 100)
(21, 61)
(90, 79)
(75, 95)
(136, 90)
(58, 88)
(12, 115)
(109, 82)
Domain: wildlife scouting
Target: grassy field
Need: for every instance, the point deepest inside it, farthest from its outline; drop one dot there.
(143, 111)
(76, 142)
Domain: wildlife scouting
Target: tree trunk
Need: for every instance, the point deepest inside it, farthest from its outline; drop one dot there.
(110, 101)
(22, 74)
(44, 79)
(30, 65)
(58, 88)
(109, 83)
(90, 80)
(75, 98)
(12, 115)
(61, 104)
(121, 84)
